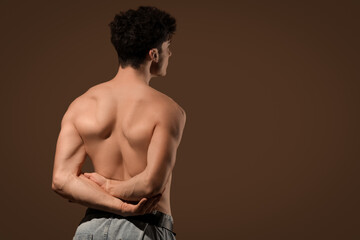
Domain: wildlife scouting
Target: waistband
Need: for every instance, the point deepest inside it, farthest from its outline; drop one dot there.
(156, 218)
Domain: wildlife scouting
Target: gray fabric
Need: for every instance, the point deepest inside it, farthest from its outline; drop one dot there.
(102, 225)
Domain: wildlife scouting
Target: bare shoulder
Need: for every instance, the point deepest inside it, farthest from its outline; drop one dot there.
(75, 107)
(169, 114)
(79, 104)
(166, 105)
(88, 102)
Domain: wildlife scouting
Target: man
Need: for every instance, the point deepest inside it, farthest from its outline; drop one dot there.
(131, 133)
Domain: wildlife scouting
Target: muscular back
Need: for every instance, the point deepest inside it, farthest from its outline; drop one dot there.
(116, 125)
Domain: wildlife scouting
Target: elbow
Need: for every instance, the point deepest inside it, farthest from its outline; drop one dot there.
(154, 187)
(55, 186)
(57, 183)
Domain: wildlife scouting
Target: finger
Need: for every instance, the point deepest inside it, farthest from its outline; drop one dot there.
(95, 174)
(152, 208)
(131, 209)
(94, 180)
(143, 209)
(157, 198)
(138, 209)
(87, 175)
(156, 201)
(151, 204)
(144, 206)
(142, 202)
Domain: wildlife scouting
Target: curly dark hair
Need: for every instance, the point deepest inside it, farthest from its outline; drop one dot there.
(135, 32)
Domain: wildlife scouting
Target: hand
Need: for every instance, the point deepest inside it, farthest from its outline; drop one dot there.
(98, 179)
(144, 206)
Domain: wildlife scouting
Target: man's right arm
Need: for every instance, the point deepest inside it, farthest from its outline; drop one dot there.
(79, 189)
(74, 186)
(161, 159)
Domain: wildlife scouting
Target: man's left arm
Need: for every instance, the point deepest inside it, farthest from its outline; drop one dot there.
(161, 157)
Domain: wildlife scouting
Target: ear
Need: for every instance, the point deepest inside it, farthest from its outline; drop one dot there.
(154, 54)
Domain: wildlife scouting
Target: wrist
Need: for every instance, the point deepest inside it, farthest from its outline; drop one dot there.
(122, 208)
(118, 207)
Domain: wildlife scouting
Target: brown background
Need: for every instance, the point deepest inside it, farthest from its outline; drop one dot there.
(271, 90)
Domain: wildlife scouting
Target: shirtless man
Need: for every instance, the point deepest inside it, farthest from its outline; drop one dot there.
(131, 133)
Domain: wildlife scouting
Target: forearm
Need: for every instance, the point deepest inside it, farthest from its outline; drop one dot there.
(82, 190)
(134, 188)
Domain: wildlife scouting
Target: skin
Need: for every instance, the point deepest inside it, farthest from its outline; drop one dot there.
(131, 133)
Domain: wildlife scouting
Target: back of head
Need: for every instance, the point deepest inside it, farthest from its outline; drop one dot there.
(135, 32)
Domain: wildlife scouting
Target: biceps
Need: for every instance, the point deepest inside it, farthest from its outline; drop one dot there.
(70, 152)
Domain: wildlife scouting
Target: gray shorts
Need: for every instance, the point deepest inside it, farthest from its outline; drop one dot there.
(103, 225)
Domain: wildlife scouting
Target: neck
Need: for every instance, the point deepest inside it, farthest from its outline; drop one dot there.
(129, 74)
